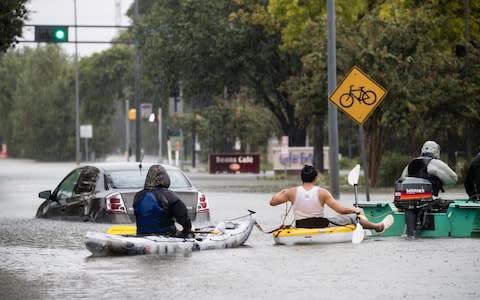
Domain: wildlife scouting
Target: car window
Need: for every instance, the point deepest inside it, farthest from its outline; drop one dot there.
(65, 189)
(134, 179)
(87, 180)
(178, 179)
(127, 179)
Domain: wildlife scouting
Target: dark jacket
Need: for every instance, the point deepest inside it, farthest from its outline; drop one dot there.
(156, 207)
(156, 211)
(472, 180)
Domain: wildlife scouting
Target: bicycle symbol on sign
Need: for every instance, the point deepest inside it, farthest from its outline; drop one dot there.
(368, 97)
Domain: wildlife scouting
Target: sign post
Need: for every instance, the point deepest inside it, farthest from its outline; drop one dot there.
(86, 132)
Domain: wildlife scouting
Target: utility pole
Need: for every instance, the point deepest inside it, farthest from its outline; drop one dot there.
(332, 109)
(138, 131)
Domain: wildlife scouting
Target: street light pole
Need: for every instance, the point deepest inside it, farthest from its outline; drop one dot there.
(138, 131)
(77, 93)
(127, 131)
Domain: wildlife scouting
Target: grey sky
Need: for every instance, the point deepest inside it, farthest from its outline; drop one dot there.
(89, 12)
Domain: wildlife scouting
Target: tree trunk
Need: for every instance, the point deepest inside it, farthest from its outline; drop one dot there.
(318, 141)
(297, 136)
(374, 135)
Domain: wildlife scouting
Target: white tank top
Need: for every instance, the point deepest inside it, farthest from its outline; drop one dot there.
(307, 204)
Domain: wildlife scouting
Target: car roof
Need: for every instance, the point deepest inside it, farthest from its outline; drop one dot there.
(116, 166)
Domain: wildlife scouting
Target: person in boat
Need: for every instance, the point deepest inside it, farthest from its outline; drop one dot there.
(308, 202)
(157, 208)
(429, 166)
(472, 180)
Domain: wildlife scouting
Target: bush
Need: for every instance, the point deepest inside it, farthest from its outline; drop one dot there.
(391, 168)
(347, 163)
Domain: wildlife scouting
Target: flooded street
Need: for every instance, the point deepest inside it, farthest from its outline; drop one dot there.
(44, 259)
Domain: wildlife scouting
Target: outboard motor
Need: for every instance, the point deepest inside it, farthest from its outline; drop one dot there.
(414, 196)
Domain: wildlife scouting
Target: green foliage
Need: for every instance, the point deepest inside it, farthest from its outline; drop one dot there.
(391, 167)
(37, 97)
(106, 79)
(225, 122)
(264, 164)
(12, 18)
(42, 113)
(10, 68)
(213, 45)
(348, 163)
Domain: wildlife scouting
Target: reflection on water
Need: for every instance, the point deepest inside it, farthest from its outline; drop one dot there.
(44, 259)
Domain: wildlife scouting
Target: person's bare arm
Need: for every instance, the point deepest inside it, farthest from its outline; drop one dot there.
(335, 205)
(283, 196)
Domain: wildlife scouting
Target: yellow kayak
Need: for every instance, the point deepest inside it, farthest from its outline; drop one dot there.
(291, 236)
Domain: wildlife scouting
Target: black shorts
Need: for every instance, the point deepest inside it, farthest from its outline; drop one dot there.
(320, 222)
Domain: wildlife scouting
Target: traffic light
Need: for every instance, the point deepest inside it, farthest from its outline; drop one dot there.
(51, 34)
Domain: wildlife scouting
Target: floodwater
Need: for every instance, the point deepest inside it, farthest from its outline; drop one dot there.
(44, 259)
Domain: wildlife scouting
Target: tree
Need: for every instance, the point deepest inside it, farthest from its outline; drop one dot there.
(13, 14)
(210, 50)
(106, 81)
(11, 65)
(42, 116)
(402, 52)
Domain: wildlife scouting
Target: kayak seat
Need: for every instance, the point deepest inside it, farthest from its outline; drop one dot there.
(312, 223)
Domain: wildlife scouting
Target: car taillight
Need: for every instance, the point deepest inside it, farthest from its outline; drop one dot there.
(114, 204)
(202, 204)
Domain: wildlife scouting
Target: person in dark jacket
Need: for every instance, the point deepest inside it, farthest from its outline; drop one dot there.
(472, 180)
(157, 208)
(429, 166)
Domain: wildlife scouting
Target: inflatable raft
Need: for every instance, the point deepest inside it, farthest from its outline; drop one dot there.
(292, 236)
(228, 234)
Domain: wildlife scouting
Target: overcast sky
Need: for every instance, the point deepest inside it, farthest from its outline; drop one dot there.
(89, 12)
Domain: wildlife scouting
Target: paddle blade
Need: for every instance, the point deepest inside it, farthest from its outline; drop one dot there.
(354, 175)
(123, 229)
(358, 234)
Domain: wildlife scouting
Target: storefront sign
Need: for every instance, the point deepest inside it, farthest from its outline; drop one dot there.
(297, 157)
(233, 163)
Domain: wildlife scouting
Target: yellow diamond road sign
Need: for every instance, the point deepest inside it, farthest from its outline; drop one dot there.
(358, 95)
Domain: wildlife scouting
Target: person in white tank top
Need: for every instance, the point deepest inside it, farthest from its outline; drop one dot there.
(308, 201)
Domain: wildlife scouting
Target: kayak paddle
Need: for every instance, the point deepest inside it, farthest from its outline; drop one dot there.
(358, 233)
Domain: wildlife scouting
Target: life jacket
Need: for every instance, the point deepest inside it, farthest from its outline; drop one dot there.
(152, 215)
(418, 168)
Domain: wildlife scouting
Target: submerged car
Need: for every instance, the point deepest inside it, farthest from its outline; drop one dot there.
(104, 192)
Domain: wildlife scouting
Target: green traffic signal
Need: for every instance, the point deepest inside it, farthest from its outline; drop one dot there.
(51, 34)
(60, 34)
